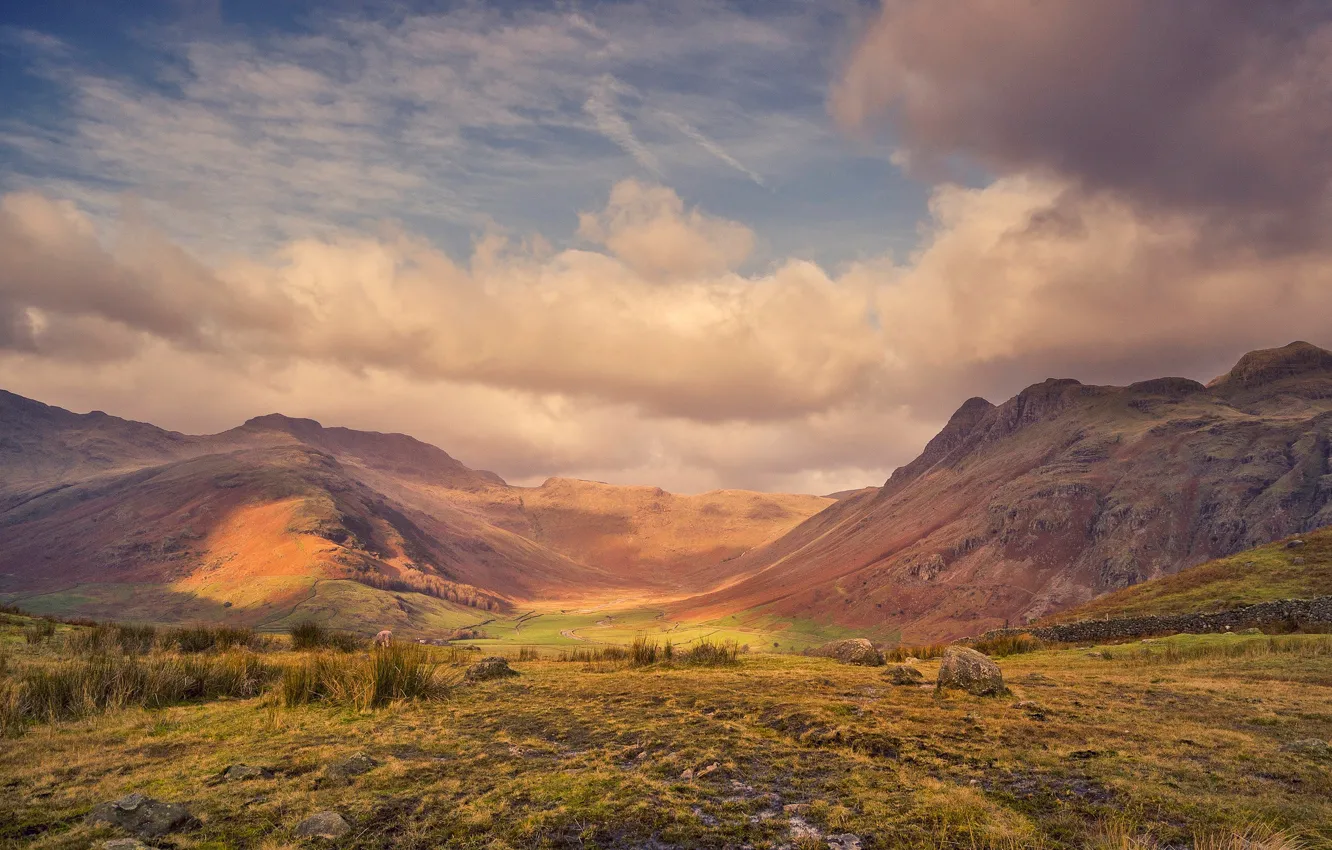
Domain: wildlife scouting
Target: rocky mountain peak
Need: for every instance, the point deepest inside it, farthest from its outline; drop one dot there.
(1269, 365)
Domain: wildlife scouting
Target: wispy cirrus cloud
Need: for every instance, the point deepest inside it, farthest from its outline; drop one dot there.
(447, 120)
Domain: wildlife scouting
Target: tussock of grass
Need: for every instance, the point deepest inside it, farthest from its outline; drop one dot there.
(709, 654)
(595, 655)
(387, 674)
(528, 653)
(112, 639)
(83, 687)
(901, 653)
(1230, 646)
(1001, 647)
(1118, 836)
(308, 635)
(39, 632)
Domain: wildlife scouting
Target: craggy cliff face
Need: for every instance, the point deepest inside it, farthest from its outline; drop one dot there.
(1062, 493)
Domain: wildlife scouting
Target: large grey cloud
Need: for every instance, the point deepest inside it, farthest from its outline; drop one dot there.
(1222, 108)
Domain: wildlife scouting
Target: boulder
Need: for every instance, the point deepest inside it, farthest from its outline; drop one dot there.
(1295, 544)
(904, 674)
(142, 816)
(329, 825)
(494, 667)
(852, 651)
(968, 670)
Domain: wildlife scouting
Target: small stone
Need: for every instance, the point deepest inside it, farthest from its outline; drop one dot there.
(244, 773)
(845, 841)
(124, 844)
(904, 674)
(142, 816)
(1295, 544)
(803, 830)
(493, 667)
(709, 769)
(329, 825)
(343, 771)
(1297, 561)
(687, 775)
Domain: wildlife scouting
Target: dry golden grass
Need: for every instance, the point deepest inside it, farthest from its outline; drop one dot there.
(1090, 751)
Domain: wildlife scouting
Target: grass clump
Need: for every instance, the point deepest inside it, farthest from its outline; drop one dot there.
(83, 687)
(1001, 647)
(901, 653)
(205, 638)
(309, 635)
(387, 674)
(39, 632)
(592, 656)
(709, 654)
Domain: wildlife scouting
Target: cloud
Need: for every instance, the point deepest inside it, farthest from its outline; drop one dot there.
(660, 323)
(692, 133)
(447, 119)
(1216, 108)
(1156, 204)
(601, 105)
(648, 229)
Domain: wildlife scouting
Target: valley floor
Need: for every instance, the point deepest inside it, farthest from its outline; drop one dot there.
(1167, 740)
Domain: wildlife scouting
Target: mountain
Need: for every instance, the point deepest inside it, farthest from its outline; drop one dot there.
(1060, 494)
(97, 513)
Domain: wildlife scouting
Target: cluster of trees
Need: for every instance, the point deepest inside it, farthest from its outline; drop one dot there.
(417, 582)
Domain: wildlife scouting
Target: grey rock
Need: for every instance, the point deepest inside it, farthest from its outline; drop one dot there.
(904, 674)
(243, 773)
(142, 816)
(494, 667)
(1313, 747)
(852, 651)
(968, 670)
(1295, 544)
(124, 844)
(344, 771)
(328, 825)
(845, 841)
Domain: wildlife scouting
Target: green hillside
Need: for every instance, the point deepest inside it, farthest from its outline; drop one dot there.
(1264, 574)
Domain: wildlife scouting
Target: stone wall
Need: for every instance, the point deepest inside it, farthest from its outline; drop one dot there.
(1284, 615)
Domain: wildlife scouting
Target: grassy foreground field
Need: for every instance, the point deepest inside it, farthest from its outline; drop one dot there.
(1174, 741)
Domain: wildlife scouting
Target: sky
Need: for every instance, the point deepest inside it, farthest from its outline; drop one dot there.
(694, 244)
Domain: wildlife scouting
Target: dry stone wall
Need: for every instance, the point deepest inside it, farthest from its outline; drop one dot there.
(1284, 615)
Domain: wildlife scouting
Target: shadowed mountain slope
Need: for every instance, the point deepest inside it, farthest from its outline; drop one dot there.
(1058, 495)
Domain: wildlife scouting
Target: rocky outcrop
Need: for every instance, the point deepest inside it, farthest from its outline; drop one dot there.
(904, 674)
(142, 816)
(967, 670)
(494, 667)
(851, 651)
(326, 825)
